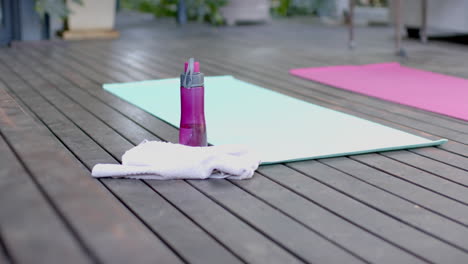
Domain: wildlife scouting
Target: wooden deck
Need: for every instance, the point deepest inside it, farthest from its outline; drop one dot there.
(56, 122)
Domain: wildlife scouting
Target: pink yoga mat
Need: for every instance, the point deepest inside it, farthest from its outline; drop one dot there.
(429, 91)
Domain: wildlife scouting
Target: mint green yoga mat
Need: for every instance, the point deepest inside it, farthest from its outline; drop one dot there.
(279, 127)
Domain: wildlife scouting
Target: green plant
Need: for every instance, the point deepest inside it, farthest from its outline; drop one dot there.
(199, 10)
(160, 8)
(213, 15)
(280, 7)
(57, 8)
(284, 8)
(374, 3)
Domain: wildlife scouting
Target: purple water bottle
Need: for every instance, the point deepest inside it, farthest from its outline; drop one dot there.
(192, 120)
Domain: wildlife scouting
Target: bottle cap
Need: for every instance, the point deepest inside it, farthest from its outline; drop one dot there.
(191, 77)
(196, 66)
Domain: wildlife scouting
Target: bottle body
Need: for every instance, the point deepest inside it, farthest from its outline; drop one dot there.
(192, 121)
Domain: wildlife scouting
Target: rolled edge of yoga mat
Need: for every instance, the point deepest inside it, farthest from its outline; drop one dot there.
(402, 147)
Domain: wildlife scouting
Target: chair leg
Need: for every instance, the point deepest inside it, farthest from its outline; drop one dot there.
(351, 43)
(423, 29)
(398, 22)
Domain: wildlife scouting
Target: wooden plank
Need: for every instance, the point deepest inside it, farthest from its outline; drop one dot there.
(416, 114)
(279, 227)
(29, 224)
(108, 67)
(178, 231)
(115, 142)
(88, 151)
(241, 238)
(419, 196)
(404, 211)
(386, 114)
(333, 227)
(64, 89)
(143, 118)
(65, 103)
(53, 53)
(261, 246)
(443, 156)
(446, 160)
(90, 34)
(286, 81)
(376, 222)
(431, 166)
(96, 74)
(166, 64)
(3, 254)
(449, 145)
(324, 243)
(269, 68)
(421, 178)
(192, 242)
(102, 223)
(264, 71)
(306, 59)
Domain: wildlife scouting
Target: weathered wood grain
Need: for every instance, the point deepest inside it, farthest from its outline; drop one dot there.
(171, 225)
(326, 222)
(319, 99)
(278, 226)
(402, 206)
(29, 225)
(3, 254)
(376, 222)
(365, 235)
(104, 225)
(449, 208)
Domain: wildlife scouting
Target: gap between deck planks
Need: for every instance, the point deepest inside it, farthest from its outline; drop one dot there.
(286, 60)
(197, 257)
(236, 69)
(307, 60)
(4, 257)
(24, 207)
(104, 80)
(260, 244)
(429, 152)
(324, 250)
(450, 174)
(169, 131)
(100, 223)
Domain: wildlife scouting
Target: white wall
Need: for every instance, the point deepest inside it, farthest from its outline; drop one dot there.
(341, 6)
(448, 15)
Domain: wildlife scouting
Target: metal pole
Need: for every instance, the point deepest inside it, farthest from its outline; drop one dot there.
(351, 43)
(398, 22)
(181, 12)
(423, 29)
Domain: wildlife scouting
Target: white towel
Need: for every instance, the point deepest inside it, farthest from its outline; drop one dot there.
(166, 161)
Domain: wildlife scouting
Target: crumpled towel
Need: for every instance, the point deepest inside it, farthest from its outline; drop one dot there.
(167, 161)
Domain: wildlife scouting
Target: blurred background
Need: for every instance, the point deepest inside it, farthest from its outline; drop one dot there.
(25, 20)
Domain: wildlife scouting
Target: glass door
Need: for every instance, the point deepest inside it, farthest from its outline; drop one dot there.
(6, 11)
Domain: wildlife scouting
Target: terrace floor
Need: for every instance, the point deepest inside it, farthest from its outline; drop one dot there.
(56, 122)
